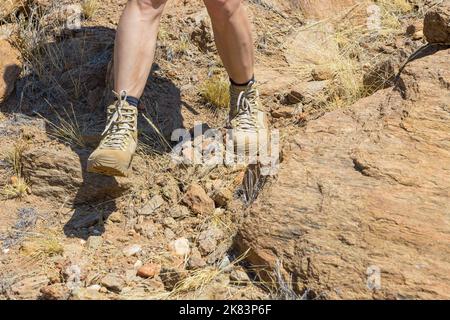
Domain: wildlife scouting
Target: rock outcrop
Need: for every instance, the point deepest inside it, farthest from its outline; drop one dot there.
(437, 23)
(58, 174)
(361, 207)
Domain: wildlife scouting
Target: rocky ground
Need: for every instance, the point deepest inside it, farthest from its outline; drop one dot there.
(359, 208)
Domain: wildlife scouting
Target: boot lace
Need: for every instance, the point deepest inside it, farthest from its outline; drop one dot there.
(246, 107)
(121, 124)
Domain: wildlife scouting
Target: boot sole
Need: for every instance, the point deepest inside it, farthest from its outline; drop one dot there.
(108, 171)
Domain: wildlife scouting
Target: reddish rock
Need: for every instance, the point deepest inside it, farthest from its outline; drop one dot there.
(149, 270)
(56, 291)
(197, 200)
(437, 23)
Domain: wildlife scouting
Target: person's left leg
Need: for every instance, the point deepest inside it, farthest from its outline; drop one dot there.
(232, 33)
(233, 37)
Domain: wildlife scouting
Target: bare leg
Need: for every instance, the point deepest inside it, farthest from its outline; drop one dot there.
(232, 33)
(135, 45)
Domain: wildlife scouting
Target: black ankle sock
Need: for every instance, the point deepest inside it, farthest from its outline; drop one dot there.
(242, 84)
(132, 101)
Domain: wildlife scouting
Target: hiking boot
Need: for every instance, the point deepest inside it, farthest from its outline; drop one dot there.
(119, 140)
(247, 119)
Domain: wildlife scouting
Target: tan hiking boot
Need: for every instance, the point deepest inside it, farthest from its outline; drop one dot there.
(247, 119)
(119, 140)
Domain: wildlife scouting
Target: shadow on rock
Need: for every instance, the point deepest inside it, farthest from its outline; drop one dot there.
(69, 91)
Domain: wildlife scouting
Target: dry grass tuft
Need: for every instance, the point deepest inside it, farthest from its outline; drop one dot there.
(345, 57)
(67, 128)
(41, 247)
(198, 279)
(215, 92)
(89, 8)
(17, 187)
(14, 157)
(182, 46)
(392, 12)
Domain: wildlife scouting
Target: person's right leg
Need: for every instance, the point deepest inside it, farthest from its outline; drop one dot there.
(133, 57)
(135, 45)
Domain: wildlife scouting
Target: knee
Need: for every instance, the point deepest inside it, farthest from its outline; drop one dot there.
(222, 9)
(149, 7)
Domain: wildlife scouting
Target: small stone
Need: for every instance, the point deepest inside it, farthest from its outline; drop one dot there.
(55, 291)
(130, 276)
(308, 92)
(321, 73)
(29, 288)
(239, 277)
(171, 277)
(222, 197)
(88, 294)
(149, 270)
(169, 234)
(283, 112)
(195, 260)
(154, 203)
(170, 191)
(148, 229)
(179, 212)
(132, 250)
(94, 288)
(181, 247)
(225, 264)
(207, 240)
(417, 35)
(197, 200)
(116, 217)
(169, 222)
(94, 242)
(113, 283)
(219, 251)
(137, 264)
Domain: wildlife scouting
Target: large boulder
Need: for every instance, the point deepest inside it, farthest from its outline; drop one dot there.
(360, 208)
(437, 23)
(10, 67)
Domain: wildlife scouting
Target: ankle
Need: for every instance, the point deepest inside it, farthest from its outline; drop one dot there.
(244, 84)
(132, 101)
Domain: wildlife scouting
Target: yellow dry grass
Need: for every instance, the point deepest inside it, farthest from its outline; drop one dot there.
(215, 92)
(41, 246)
(67, 128)
(17, 187)
(344, 56)
(89, 8)
(197, 280)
